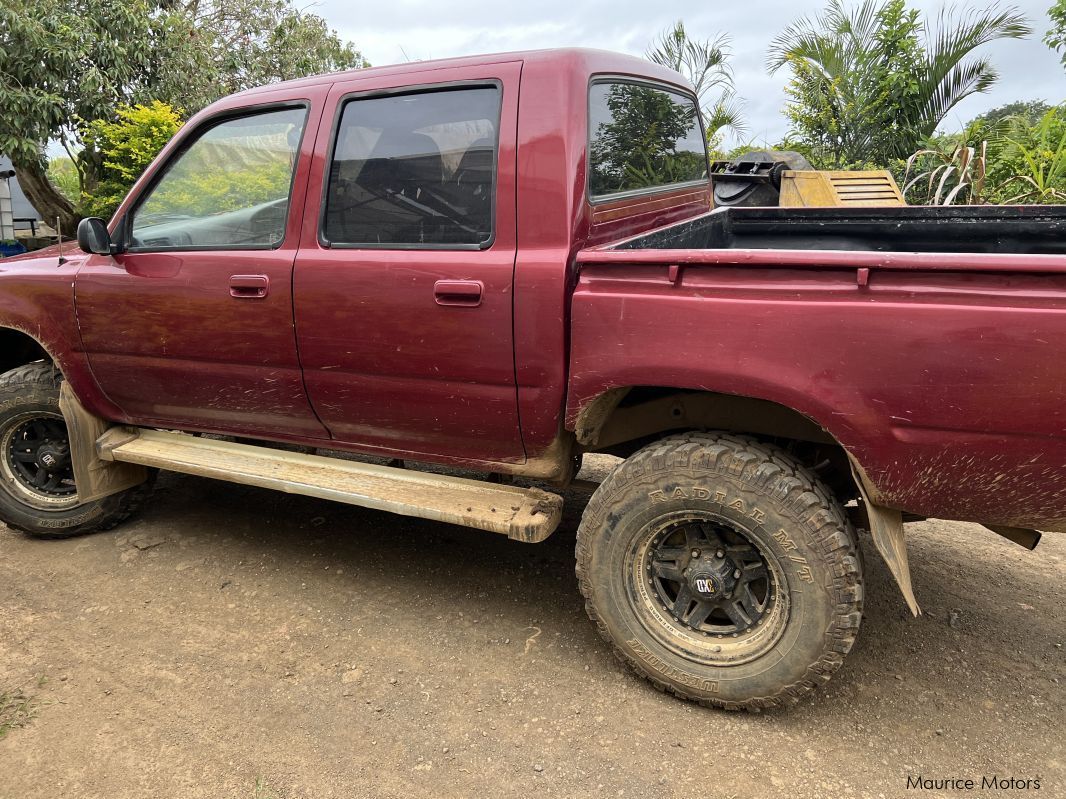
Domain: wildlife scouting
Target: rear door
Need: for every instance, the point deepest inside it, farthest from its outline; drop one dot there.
(403, 283)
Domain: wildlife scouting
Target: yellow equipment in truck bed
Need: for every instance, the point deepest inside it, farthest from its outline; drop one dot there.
(807, 189)
(781, 178)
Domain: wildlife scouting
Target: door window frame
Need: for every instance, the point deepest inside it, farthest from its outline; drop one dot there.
(124, 229)
(425, 88)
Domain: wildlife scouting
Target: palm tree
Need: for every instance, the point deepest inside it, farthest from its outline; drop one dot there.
(706, 65)
(872, 82)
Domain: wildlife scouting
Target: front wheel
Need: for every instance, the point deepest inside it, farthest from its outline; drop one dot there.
(721, 570)
(38, 494)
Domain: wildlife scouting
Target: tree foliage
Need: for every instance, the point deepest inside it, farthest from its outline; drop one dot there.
(65, 64)
(126, 147)
(706, 65)
(870, 83)
(230, 45)
(1055, 38)
(63, 174)
(1031, 110)
(1013, 158)
(1028, 158)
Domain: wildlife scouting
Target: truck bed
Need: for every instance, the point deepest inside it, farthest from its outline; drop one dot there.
(922, 229)
(927, 341)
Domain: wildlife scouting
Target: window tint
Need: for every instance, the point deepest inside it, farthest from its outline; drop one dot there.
(641, 137)
(229, 189)
(414, 169)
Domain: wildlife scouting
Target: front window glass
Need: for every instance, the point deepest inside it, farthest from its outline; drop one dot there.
(415, 169)
(641, 138)
(229, 189)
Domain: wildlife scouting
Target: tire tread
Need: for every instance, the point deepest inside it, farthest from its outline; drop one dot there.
(44, 377)
(760, 463)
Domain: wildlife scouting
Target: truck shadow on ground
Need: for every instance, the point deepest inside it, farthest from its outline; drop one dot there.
(982, 596)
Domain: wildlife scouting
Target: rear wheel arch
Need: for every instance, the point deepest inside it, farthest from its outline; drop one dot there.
(622, 420)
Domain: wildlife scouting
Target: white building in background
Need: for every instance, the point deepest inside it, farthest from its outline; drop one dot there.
(7, 221)
(20, 207)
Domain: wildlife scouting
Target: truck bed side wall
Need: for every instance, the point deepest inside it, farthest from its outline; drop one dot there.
(946, 386)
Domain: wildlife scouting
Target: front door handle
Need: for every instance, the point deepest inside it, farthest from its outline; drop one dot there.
(458, 292)
(249, 287)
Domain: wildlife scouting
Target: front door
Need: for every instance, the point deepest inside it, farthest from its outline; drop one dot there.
(192, 325)
(403, 285)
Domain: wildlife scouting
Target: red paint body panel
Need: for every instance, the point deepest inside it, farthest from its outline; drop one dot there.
(202, 357)
(37, 298)
(947, 392)
(387, 365)
(171, 344)
(940, 373)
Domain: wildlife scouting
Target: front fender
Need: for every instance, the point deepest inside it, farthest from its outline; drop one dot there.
(37, 300)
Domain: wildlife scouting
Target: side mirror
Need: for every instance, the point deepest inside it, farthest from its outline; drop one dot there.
(93, 236)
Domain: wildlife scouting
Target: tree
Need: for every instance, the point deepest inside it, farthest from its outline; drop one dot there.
(65, 64)
(1031, 110)
(871, 83)
(1055, 38)
(238, 44)
(62, 62)
(706, 65)
(126, 147)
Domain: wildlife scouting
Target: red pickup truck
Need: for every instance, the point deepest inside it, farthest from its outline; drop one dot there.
(501, 263)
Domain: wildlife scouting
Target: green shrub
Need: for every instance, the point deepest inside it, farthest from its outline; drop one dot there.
(125, 147)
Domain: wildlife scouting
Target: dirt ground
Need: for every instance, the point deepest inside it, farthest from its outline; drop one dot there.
(235, 643)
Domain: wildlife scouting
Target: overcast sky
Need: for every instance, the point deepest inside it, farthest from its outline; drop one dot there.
(409, 30)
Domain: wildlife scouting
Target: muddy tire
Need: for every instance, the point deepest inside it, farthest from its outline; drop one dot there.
(37, 491)
(721, 570)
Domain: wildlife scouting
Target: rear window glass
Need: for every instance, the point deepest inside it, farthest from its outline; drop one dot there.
(415, 170)
(641, 137)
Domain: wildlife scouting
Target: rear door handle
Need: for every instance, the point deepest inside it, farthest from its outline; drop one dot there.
(458, 292)
(249, 287)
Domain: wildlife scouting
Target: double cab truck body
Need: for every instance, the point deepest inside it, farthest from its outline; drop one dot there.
(503, 262)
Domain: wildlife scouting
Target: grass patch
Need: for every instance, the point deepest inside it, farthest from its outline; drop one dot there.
(17, 709)
(264, 791)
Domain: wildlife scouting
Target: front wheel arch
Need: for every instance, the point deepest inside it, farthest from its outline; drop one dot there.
(18, 349)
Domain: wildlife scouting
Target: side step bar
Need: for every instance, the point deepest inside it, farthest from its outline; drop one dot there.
(524, 514)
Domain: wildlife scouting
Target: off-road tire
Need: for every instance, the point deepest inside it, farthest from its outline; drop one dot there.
(785, 512)
(35, 388)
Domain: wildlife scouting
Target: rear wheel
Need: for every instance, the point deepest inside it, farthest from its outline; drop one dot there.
(721, 570)
(38, 494)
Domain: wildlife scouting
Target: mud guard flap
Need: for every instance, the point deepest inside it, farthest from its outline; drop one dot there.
(886, 529)
(95, 478)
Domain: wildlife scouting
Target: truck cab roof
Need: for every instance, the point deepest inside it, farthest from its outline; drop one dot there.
(586, 61)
